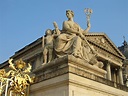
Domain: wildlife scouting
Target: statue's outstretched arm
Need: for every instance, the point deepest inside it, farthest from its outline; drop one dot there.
(88, 28)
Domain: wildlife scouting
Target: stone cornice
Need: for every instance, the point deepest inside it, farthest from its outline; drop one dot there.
(71, 61)
(28, 47)
(67, 65)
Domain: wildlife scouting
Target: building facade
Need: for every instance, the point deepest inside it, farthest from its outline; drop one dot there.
(74, 64)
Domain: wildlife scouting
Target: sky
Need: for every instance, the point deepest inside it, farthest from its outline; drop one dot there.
(24, 21)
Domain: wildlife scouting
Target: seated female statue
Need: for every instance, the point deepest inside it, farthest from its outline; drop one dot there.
(70, 40)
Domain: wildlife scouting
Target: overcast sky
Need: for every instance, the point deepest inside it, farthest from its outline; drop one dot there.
(24, 21)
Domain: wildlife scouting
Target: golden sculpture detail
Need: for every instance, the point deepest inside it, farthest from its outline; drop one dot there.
(2, 81)
(18, 76)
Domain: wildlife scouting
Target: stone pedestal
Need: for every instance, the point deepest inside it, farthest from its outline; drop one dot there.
(70, 76)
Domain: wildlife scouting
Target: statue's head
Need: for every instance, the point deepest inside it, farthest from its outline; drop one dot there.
(48, 32)
(70, 11)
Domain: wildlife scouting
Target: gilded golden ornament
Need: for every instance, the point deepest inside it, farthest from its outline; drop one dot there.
(18, 78)
(20, 64)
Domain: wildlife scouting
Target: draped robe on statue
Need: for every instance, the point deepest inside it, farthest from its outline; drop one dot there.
(69, 43)
(72, 41)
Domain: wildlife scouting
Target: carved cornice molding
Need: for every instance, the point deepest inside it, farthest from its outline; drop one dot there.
(67, 64)
(28, 47)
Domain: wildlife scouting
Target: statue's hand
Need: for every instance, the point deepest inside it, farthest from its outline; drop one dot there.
(87, 29)
(57, 31)
(55, 25)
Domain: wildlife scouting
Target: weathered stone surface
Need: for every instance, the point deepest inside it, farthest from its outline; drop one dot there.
(71, 64)
(71, 76)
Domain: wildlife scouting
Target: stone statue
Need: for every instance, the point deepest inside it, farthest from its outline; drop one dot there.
(72, 41)
(69, 41)
(48, 48)
(48, 43)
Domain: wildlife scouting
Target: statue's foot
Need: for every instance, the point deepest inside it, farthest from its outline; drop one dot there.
(48, 61)
(43, 63)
